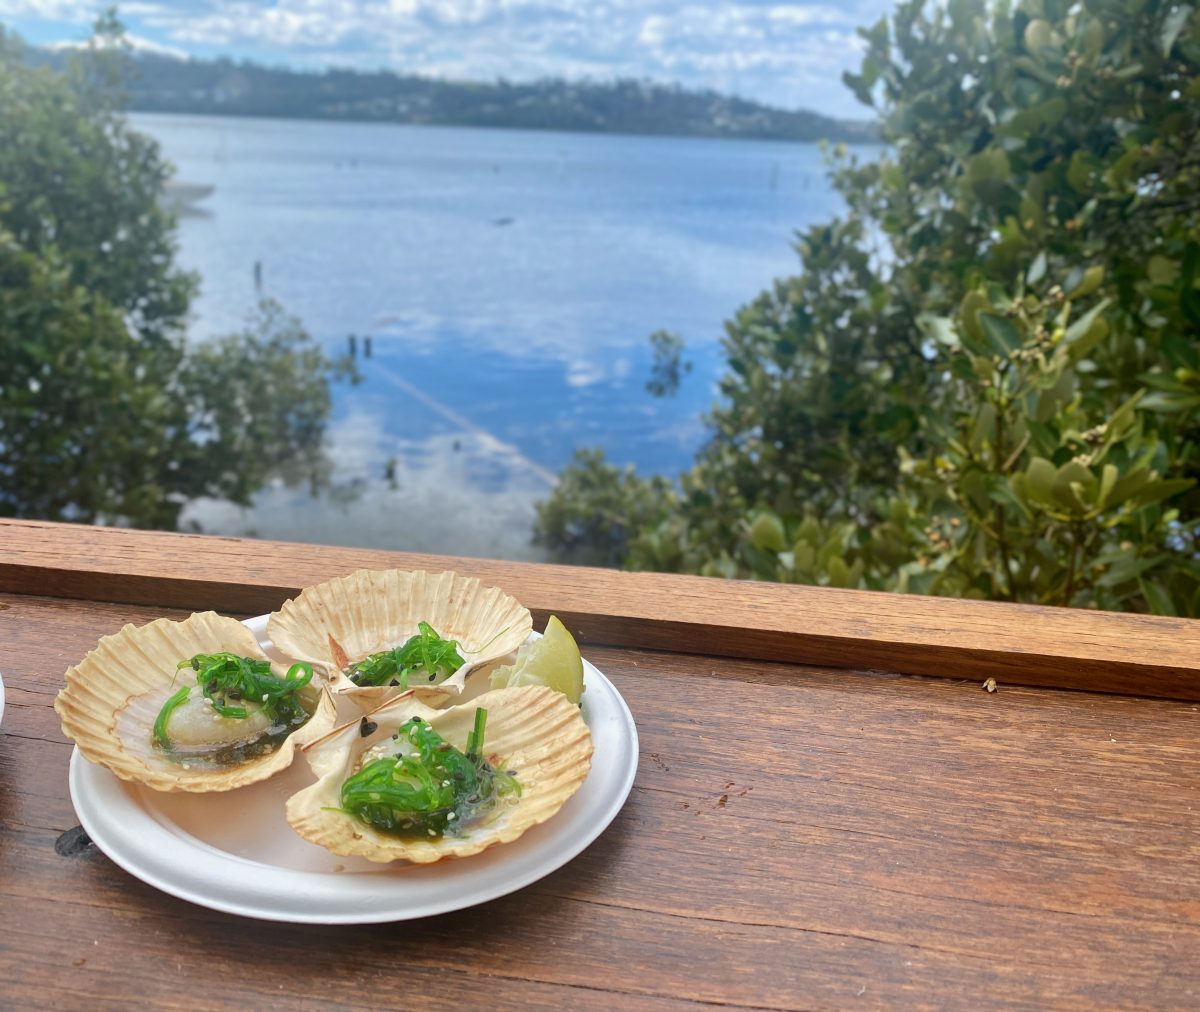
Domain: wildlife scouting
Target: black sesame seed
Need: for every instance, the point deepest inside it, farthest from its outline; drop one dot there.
(393, 682)
(367, 727)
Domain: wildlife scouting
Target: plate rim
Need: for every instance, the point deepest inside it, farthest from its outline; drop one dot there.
(90, 810)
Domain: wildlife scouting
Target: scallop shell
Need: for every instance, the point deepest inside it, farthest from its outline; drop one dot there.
(373, 610)
(114, 694)
(533, 730)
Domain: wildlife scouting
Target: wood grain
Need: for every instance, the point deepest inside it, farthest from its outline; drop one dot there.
(797, 837)
(1018, 645)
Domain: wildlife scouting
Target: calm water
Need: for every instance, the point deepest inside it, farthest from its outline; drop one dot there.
(508, 280)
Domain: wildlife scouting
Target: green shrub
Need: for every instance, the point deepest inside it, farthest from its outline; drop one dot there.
(106, 413)
(986, 381)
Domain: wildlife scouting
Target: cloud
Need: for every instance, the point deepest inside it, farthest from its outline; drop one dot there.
(136, 42)
(72, 11)
(783, 53)
(484, 505)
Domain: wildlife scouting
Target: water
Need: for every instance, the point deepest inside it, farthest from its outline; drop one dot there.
(508, 280)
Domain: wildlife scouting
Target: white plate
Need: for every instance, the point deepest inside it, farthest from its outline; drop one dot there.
(235, 851)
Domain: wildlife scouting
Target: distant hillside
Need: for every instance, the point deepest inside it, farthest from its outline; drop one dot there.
(163, 84)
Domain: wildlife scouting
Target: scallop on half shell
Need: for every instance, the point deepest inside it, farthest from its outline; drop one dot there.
(114, 695)
(342, 621)
(532, 732)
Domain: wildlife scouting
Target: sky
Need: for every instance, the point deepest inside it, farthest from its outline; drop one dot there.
(787, 54)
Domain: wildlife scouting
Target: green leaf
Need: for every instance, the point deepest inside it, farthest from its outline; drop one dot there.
(1108, 480)
(1125, 416)
(971, 331)
(1165, 403)
(1002, 491)
(1032, 215)
(803, 556)
(839, 572)
(1160, 490)
(1091, 280)
(831, 548)
(1162, 271)
(990, 164)
(1126, 570)
(1037, 118)
(1157, 598)
(858, 86)
(1189, 302)
(877, 34)
(767, 533)
(1127, 486)
(870, 72)
(1072, 482)
(984, 430)
(1093, 41)
(1039, 478)
(1037, 269)
(1034, 69)
(809, 531)
(1172, 25)
(1080, 328)
(939, 328)
(1079, 171)
(1120, 170)
(1038, 36)
(1000, 333)
(1096, 333)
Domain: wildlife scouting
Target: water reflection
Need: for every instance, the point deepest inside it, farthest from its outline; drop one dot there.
(455, 493)
(508, 282)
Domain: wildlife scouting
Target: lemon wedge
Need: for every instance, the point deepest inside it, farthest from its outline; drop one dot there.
(552, 661)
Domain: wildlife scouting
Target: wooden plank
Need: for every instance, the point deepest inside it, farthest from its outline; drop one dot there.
(797, 837)
(1016, 644)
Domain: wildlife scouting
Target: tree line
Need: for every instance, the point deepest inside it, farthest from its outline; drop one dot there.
(244, 88)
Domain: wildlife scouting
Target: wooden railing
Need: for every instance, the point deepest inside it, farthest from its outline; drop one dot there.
(1016, 644)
